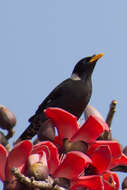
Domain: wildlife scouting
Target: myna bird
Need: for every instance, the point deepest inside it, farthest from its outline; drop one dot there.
(72, 95)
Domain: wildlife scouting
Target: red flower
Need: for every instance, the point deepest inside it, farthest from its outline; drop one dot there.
(104, 154)
(68, 127)
(65, 167)
(16, 158)
(84, 171)
(71, 166)
(24, 153)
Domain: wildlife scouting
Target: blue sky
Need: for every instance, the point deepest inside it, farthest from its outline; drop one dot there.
(40, 42)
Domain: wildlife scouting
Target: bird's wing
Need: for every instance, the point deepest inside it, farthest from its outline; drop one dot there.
(52, 97)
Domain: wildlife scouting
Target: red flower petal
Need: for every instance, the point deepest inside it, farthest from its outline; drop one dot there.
(39, 148)
(90, 131)
(58, 141)
(17, 158)
(72, 165)
(101, 158)
(116, 180)
(90, 110)
(111, 181)
(93, 182)
(51, 153)
(103, 123)
(65, 122)
(3, 158)
(119, 161)
(114, 147)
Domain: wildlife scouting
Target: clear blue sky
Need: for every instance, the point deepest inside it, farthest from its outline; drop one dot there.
(40, 42)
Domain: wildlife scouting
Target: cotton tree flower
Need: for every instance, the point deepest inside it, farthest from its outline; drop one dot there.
(74, 169)
(24, 156)
(105, 155)
(68, 127)
(73, 166)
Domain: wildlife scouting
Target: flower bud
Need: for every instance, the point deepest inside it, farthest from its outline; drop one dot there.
(37, 166)
(90, 110)
(75, 146)
(47, 131)
(7, 118)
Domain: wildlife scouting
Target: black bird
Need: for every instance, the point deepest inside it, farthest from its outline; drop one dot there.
(72, 95)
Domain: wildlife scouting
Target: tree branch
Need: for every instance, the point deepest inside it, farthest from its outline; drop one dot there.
(31, 182)
(111, 112)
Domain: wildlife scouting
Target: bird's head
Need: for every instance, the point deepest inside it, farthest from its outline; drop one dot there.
(85, 66)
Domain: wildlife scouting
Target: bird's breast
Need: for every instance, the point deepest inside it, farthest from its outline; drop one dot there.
(77, 97)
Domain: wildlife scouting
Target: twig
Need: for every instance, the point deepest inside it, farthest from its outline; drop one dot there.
(111, 112)
(32, 183)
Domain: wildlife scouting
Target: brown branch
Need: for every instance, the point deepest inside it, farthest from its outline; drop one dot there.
(32, 183)
(111, 112)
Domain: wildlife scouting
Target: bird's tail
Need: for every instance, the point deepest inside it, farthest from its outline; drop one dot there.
(28, 133)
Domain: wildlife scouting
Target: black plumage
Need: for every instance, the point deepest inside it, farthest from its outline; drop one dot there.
(72, 95)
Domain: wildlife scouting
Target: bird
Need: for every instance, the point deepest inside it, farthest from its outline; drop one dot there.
(72, 95)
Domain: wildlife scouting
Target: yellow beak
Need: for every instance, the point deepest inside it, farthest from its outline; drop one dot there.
(96, 57)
